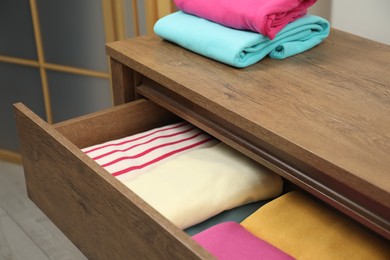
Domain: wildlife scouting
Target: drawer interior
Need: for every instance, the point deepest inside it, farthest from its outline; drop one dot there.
(114, 123)
(101, 216)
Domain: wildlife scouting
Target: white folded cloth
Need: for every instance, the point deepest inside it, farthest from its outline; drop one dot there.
(201, 183)
(130, 156)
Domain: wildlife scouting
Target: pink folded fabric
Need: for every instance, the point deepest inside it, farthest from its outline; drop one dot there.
(230, 240)
(263, 16)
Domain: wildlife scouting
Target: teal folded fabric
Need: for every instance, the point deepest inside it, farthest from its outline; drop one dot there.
(237, 215)
(240, 48)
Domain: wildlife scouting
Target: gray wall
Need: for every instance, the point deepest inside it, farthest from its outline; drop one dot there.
(369, 19)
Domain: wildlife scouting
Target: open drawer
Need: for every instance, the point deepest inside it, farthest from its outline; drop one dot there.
(98, 213)
(101, 216)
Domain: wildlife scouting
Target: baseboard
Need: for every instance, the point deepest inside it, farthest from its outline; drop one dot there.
(10, 156)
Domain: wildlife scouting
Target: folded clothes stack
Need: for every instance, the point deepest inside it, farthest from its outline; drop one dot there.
(229, 204)
(187, 175)
(262, 16)
(292, 226)
(128, 157)
(230, 240)
(241, 33)
(306, 229)
(202, 183)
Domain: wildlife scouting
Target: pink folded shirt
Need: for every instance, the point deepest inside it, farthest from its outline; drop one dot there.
(230, 240)
(263, 16)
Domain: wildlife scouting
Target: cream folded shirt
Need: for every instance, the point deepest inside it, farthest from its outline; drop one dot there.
(201, 183)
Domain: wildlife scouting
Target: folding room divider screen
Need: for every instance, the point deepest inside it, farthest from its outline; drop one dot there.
(52, 56)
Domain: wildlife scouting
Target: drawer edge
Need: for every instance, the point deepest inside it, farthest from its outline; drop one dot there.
(102, 217)
(114, 123)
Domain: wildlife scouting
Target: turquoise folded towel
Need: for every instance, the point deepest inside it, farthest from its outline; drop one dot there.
(237, 214)
(240, 48)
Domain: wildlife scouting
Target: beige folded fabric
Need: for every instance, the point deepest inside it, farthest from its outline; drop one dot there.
(306, 229)
(204, 182)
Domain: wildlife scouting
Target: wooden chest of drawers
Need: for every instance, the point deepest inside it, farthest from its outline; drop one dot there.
(320, 119)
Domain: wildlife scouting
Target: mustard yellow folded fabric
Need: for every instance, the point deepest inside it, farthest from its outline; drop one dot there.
(305, 229)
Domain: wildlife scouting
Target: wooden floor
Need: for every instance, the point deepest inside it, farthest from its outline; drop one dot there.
(25, 232)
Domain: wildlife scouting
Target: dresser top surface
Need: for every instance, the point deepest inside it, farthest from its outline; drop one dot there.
(329, 106)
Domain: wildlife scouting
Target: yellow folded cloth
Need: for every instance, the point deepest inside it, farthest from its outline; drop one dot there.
(305, 229)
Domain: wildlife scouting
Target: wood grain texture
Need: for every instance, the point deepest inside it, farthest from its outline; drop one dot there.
(114, 123)
(123, 79)
(317, 183)
(102, 217)
(325, 111)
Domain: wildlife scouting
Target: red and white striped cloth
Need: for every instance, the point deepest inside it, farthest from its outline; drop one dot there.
(128, 157)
